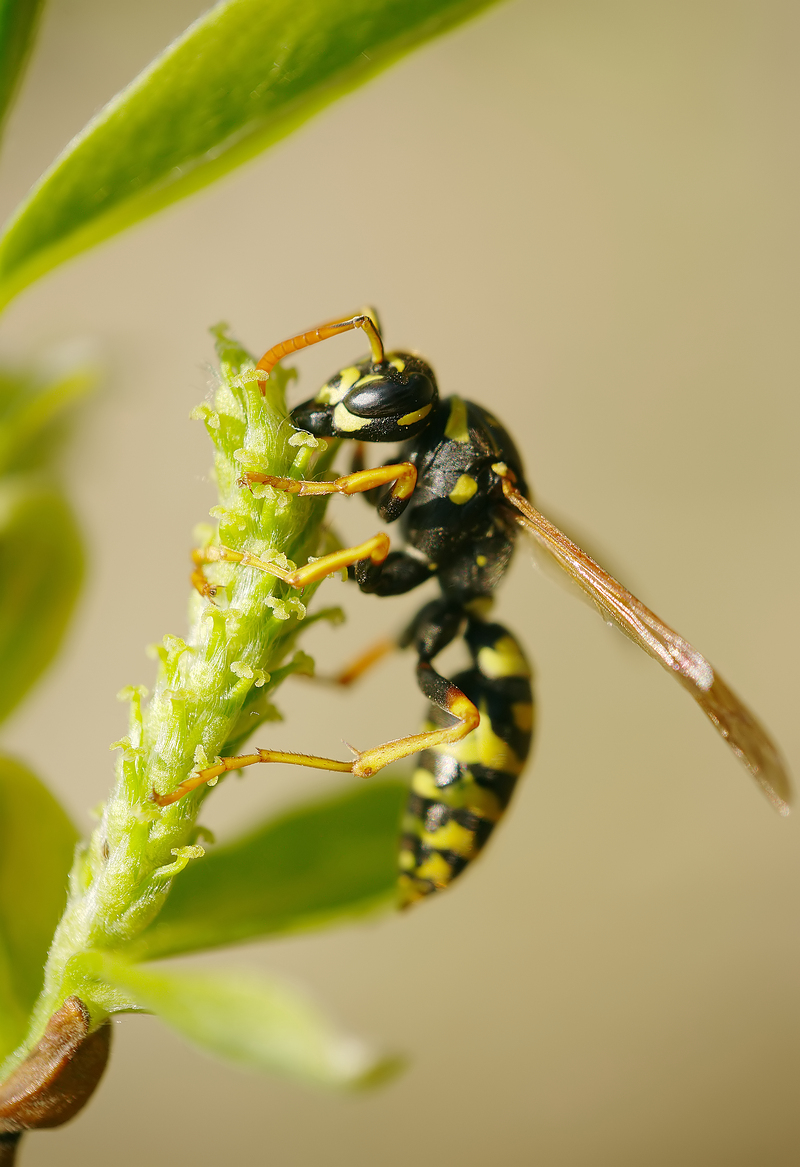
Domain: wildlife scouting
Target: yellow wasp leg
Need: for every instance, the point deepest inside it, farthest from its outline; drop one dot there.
(324, 332)
(198, 579)
(365, 661)
(367, 762)
(356, 669)
(376, 549)
(402, 474)
(225, 764)
(448, 697)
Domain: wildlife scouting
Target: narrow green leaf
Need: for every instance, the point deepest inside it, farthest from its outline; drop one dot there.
(318, 864)
(256, 1023)
(33, 415)
(36, 845)
(240, 78)
(18, 21)
(41, 566)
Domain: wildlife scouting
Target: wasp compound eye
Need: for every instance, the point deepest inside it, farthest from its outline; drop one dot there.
(392, 391)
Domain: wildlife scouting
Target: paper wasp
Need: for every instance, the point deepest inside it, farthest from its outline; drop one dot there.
(459, 489)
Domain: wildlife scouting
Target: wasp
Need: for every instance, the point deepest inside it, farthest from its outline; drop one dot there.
(458, 489)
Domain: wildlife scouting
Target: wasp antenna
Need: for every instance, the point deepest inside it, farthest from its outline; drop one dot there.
(365, 321)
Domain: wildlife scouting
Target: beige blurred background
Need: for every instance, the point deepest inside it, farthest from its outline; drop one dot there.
(585, 214)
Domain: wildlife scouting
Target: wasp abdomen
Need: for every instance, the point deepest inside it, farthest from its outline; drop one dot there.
(459, 792)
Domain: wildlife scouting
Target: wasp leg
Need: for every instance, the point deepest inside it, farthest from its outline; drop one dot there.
(364, 321)
(356, 669)
(198, 576)
(211, 773)
(431, 630)
(397, 574)
(402, 476)
(374, 551)
(449, 698)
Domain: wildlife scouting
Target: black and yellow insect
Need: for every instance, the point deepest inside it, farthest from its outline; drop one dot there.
(458, 488)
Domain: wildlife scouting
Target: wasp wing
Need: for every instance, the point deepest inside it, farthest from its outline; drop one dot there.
(742, 731)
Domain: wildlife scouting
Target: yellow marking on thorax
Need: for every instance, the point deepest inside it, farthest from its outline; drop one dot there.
(503, 659)
(332, 394)
(344, 420)
(463, 490)
(398, 363)
(417, 415)
(457, 429)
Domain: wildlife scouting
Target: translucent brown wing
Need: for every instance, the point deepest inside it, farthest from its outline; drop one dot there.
(742, 731)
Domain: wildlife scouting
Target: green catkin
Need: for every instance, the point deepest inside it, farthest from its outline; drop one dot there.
(212, 689)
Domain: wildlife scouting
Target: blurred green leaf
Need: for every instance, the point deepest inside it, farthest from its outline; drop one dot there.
(41, 566)
(33, 412)
(256, 1023)
(240, 78)
(18, 21)
(314, 866)
(36, 845)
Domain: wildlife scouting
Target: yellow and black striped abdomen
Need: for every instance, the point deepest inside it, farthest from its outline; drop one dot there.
(459, 792)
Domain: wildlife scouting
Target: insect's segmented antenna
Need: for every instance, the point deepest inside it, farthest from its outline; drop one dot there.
(323, 332)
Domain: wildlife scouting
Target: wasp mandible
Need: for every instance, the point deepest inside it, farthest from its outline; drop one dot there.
(458, 488)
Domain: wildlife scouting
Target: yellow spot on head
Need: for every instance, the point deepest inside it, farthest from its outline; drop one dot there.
(463, 490)
(398, 363)
(504, 659)
(344, 420)
(339, 386)
(481, 560)
(417, 415)
(457, 429)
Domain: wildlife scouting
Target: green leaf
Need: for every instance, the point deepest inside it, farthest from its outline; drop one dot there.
(240, 78)
(36, 845)
(33, 414)
(41, 566)
(314, 866)
(256, 1023)
(18, 21)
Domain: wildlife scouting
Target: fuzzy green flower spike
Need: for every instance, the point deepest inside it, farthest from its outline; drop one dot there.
(213, 689)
